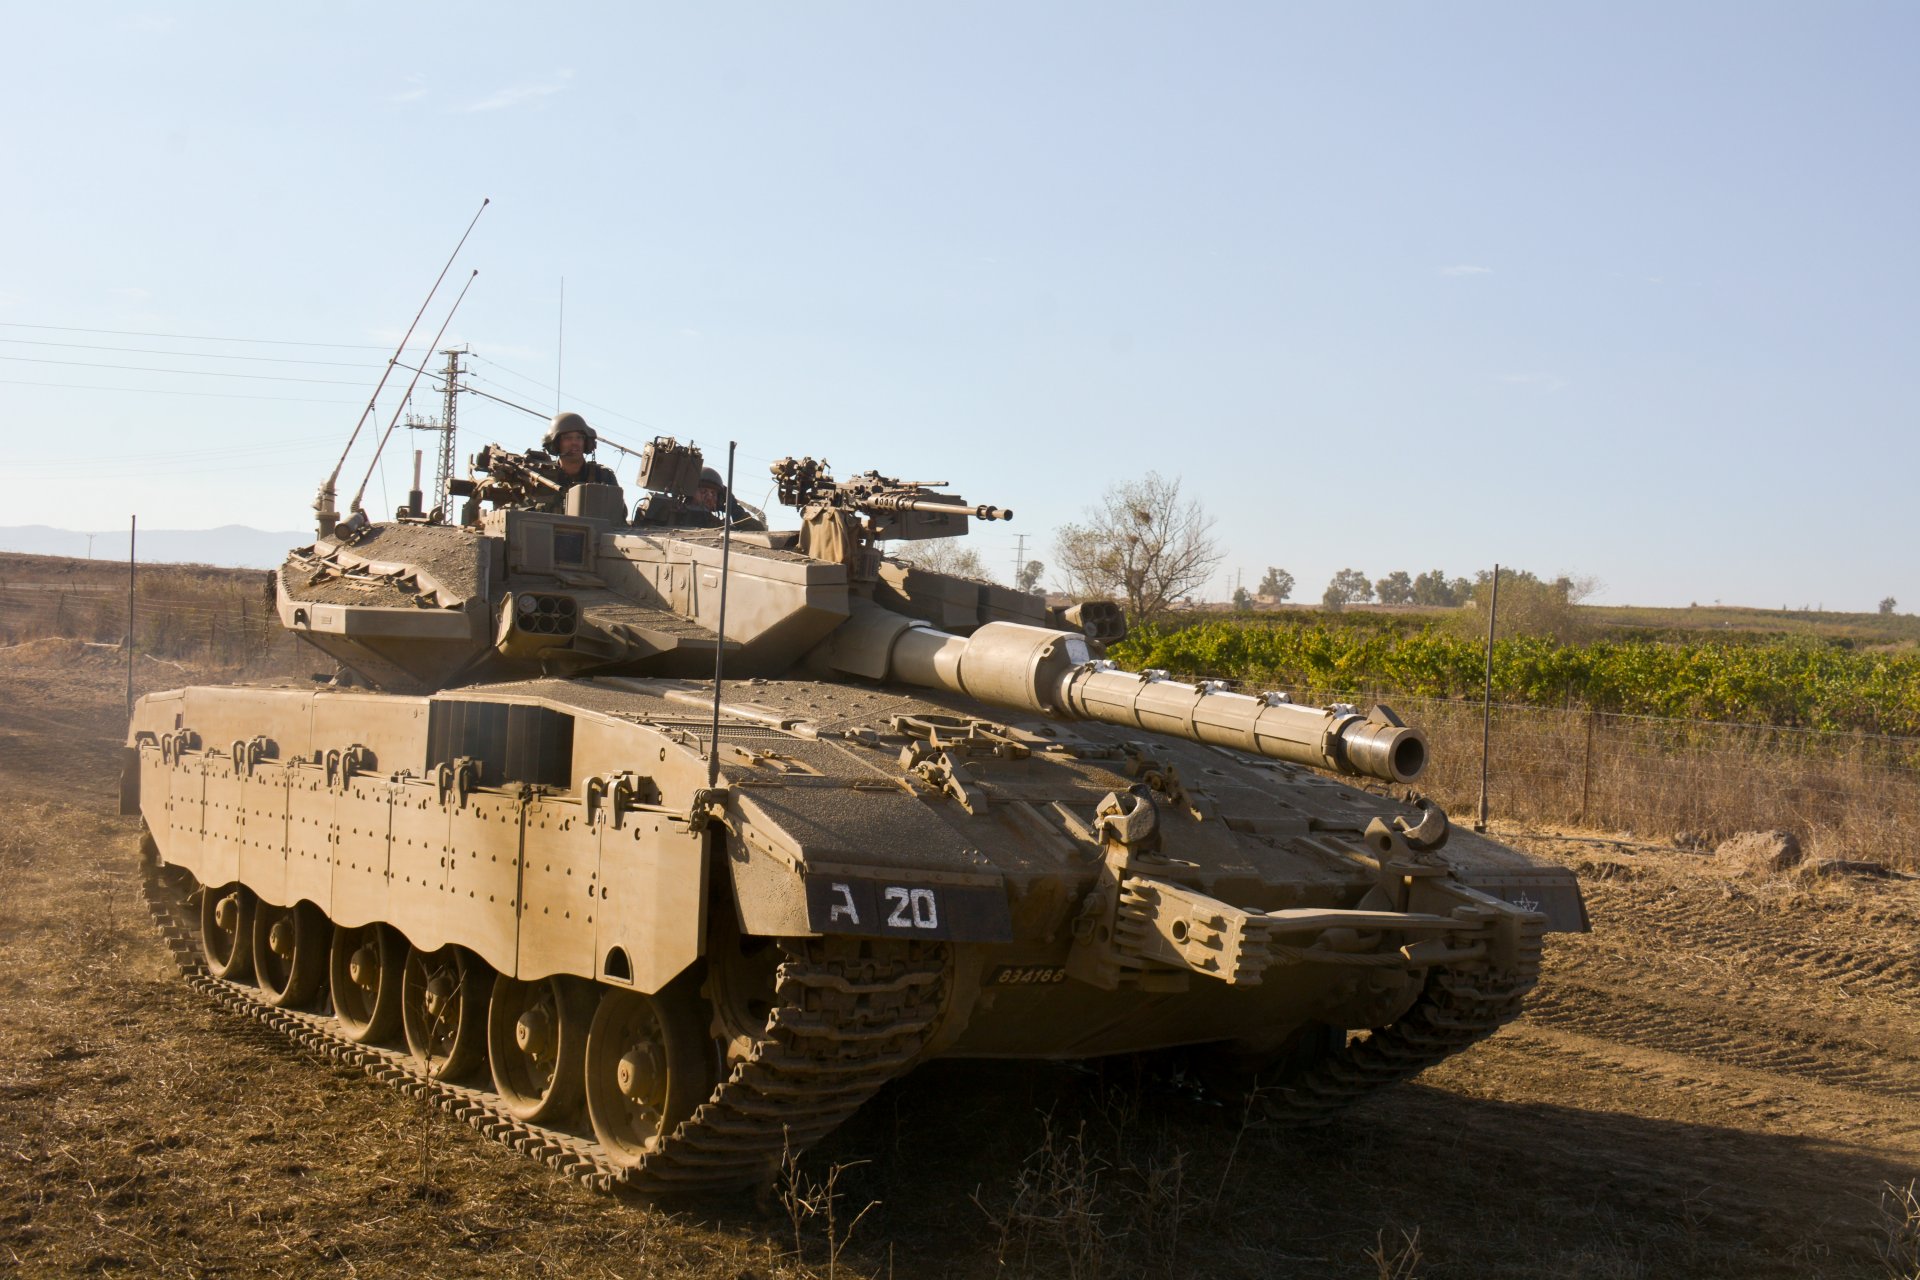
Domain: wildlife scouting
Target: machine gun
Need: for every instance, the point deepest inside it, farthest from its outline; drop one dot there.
(876, 506)
(506, 479)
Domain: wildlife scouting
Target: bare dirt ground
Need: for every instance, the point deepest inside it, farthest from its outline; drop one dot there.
(1723, 1079)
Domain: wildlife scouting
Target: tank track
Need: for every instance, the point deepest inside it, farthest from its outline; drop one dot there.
(848, 1015)
(1454, 1010)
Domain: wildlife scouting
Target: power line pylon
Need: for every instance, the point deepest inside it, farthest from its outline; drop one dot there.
(445, 425)
(443, 476)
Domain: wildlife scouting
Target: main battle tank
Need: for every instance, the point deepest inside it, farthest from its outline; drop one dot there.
(655, 847)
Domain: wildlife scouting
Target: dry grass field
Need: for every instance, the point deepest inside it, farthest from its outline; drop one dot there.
(1723, 1079)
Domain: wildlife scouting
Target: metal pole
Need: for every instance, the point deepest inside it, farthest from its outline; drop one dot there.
(133, 528)
(1586, 769)
(720, 640)
(1486, 708)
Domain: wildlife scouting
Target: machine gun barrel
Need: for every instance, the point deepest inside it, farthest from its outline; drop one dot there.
(1052, 672)
(904, 502)
(804, 483)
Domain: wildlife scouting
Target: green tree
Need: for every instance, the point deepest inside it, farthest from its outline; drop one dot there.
(1242, 598)
(1349, 586)
(1029, 579)
(1887, 606)
(1395, 588)
(1530, 606)
(1436, 590)
(1277, 585)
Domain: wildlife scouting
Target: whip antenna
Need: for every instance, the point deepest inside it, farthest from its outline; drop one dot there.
(323, 504)
(720, 635)
(362, 490)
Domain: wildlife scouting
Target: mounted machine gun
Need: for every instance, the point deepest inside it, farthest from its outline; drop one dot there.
(841, 520)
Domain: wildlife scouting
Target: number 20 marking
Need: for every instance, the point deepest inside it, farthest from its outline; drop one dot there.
(912, 909)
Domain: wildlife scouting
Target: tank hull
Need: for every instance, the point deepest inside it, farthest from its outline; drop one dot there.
(559, 835)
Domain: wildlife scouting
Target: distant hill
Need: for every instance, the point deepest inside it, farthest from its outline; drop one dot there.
(232, 545)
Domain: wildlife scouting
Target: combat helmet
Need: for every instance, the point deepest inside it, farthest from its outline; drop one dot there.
(563, 423)
(708, 476)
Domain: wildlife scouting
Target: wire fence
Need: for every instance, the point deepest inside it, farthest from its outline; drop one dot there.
(1846, 795)
(221, 626)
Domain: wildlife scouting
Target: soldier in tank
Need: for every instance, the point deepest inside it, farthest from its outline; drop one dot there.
(710, 497)
(568, 441)
(700, 509)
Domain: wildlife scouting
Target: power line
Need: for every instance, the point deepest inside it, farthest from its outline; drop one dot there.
(189, 337)
(517, 377)
(598, 408)
(196, 373)
(160, 391)
(264, 446)
(240, 457)
(190, 355)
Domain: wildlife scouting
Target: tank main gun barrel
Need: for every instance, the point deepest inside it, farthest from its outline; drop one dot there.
(1052, 672)
(1375, 745)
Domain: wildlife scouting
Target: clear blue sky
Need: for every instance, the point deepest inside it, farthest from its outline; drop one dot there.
(1622, 290)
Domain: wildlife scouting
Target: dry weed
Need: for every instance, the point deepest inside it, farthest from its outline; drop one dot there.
(1161, 1206)
(99, 931)
(1899, 1246)
(807, 1200)
(16, 856)
(1111, 1196)
(1396, 1259)
(430, 1118)
(1057, 1210)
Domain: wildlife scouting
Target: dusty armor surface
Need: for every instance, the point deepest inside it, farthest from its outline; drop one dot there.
(527, 861)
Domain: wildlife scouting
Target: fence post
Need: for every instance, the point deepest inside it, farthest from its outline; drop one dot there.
(1586, 768)
(1486, 713)
(133, 530)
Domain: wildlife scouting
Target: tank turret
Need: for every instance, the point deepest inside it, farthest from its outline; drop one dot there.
(542, 592)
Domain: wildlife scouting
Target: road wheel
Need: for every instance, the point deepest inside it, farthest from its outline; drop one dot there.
(443, 1010)
(364, 971)
(226, 932)
(648, 1065)
(289, 952)
(536, 1045)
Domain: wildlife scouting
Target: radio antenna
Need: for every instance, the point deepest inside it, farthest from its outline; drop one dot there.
(720, 634)
(560, 346)
(323, 504)
(362, 490)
